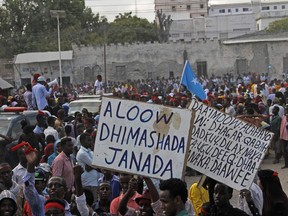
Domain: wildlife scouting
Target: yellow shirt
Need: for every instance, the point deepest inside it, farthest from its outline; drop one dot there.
(198, 197)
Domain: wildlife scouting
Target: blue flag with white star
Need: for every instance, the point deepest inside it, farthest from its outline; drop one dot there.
(190, 81)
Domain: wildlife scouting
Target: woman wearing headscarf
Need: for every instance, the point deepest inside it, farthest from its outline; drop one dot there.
(275, 200)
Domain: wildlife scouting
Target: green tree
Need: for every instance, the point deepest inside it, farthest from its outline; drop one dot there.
(278, 26)
(128, 28)
(27, 26)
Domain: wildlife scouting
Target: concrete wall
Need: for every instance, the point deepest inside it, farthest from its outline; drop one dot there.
(137, 60)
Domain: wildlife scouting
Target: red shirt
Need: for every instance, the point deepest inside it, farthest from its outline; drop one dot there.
(131, 203)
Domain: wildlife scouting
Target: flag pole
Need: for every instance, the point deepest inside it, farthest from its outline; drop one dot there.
(182, 75)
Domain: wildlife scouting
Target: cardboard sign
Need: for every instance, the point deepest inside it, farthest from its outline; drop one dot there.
(142, 138)
(226, 148)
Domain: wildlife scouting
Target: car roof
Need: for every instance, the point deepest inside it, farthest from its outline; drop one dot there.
(91, 100)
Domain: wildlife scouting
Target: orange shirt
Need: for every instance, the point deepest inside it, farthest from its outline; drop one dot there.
(131, 203)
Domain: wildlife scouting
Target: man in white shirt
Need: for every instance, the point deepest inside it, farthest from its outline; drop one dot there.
(98, 86)
(85, 157)
(50, 130)
(20, 170)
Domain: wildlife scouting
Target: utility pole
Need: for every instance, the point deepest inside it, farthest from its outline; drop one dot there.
(59, 14)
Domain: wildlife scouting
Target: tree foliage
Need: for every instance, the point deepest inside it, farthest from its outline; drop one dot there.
(278, 26)
(27, 26)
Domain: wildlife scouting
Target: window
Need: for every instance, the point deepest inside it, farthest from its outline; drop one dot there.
(202, 15)
(188, 7)
(173, 8)
(229, 10)
(171, 74)
(187, 34)
(266, 8)
(121, 69)
(245, 9)
(202, 68)
(201, 5)
(275, 7)
(236, 10)
(175, 35)
(283, 6)
(222, 11)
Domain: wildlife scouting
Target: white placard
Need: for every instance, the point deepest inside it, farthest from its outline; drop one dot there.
(226, 148)
(142, 138)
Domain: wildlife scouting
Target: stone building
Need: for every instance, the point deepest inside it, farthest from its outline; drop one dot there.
(260, 53)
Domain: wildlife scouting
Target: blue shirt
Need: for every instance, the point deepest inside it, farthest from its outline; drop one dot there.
(115, 186)
(39, 94)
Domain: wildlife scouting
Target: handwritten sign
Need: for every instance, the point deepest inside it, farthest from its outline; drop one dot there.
(142, 138)
(225, 148)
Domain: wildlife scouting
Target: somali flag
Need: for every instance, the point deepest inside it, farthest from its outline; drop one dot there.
(190, 81)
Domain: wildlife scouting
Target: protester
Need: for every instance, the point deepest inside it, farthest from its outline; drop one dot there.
(56, 187)
(284, 139)
(20, 170)
(8, 206)
(28, 97)
(6, 183)
(55, 206)
(39, 94)
(50, 130)
(275, 200)
(275, 128)
(85, 158)
(124, 182)
(98, 86)
(57, 151)
(222, 206)
(81, 201)
(148, 202)
(173, 196)
(62, 166)
(114, 182)
(199, 195)
(251, 201)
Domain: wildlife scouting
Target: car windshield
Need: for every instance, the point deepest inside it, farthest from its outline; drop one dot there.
(91, 106)
(4, 126)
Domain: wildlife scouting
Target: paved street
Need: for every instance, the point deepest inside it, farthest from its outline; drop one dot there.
(266, 164)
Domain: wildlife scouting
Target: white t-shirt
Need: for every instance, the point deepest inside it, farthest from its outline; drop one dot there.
(98, 85)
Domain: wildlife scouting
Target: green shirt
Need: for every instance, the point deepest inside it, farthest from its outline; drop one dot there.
(182, 213)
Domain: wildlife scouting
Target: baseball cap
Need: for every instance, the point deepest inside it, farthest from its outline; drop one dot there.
(41, 79)
(39, 175)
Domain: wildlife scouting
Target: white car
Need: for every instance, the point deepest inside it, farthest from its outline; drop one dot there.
(92, 105)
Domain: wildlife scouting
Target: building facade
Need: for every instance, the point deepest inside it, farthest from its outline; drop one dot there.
(45, 63)
(182, 9)
(229, 20)
(6, 70)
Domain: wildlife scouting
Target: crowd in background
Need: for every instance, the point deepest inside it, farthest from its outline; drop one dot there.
(47, 181)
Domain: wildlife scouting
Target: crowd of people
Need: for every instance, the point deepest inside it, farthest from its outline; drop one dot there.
(55, 175)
